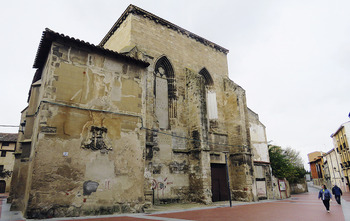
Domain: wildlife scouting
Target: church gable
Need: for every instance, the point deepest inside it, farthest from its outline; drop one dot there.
(132, 9)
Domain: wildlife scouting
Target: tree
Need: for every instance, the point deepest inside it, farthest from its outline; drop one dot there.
(286, 163)
(294, 157)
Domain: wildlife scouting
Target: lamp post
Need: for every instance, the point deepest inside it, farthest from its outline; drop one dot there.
(228, 179)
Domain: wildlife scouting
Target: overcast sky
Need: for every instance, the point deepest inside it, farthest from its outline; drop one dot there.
(292, 57)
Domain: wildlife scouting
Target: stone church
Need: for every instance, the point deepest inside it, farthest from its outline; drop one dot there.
(145, 117)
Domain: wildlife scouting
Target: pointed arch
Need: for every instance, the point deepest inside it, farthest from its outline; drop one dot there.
(208, 79)
(212, 110)
(164, 63)
(164, 67)
(165, 89)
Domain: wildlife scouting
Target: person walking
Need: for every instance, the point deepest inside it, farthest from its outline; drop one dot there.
(326, 196)
(336, 191)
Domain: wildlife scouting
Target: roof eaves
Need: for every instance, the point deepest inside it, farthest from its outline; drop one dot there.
(49, 36)
(8, 137)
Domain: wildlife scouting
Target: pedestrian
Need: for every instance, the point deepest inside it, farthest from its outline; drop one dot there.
(337, 193)
(326, 196)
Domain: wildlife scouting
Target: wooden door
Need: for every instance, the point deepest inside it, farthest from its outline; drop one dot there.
(219, 182)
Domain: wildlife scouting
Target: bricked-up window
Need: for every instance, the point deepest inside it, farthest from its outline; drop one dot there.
(212, 108)
(165, 92)
(212, 105)
(162, 102)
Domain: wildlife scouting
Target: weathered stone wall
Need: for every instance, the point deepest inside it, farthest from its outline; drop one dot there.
(188, 57)
(121, 38)
(157, 40)
(100, 139)
(279, 193)
(300, 187)
(19, 175)
(263, 181)
(198, 130)
(258, 138)
(240, 159)
(23, 169)
(88, 155)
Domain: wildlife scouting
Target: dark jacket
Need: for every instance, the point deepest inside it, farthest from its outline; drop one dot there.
(336, 191)
(324, 194)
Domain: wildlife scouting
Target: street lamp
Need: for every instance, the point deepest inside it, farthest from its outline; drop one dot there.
(228, 179)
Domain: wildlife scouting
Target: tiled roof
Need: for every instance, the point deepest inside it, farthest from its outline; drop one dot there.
(7, 137)
(132, 9)
(49, 36)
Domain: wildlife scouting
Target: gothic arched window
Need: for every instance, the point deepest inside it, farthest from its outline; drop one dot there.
(165, 92)
(208, 79)
(212, 109)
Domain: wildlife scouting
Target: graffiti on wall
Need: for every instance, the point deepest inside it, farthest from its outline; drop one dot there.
(159, 187)
(108, 184)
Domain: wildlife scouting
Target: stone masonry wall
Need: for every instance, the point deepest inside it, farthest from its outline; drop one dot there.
(89, 153)
(258, 138)
(188, 55)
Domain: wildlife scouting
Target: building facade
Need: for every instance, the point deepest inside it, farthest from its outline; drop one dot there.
(262, 168)
(332, 170)
(316, 167)
(341, 145)
(147, 116)
(7, 159)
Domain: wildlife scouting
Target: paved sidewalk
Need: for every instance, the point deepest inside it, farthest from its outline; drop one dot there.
(299, 207)
(345, 203)
(345, 200)
(5, 213)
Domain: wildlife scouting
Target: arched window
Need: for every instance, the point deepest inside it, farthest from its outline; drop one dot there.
(165, 92)
(212, 109)
(208, 79)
